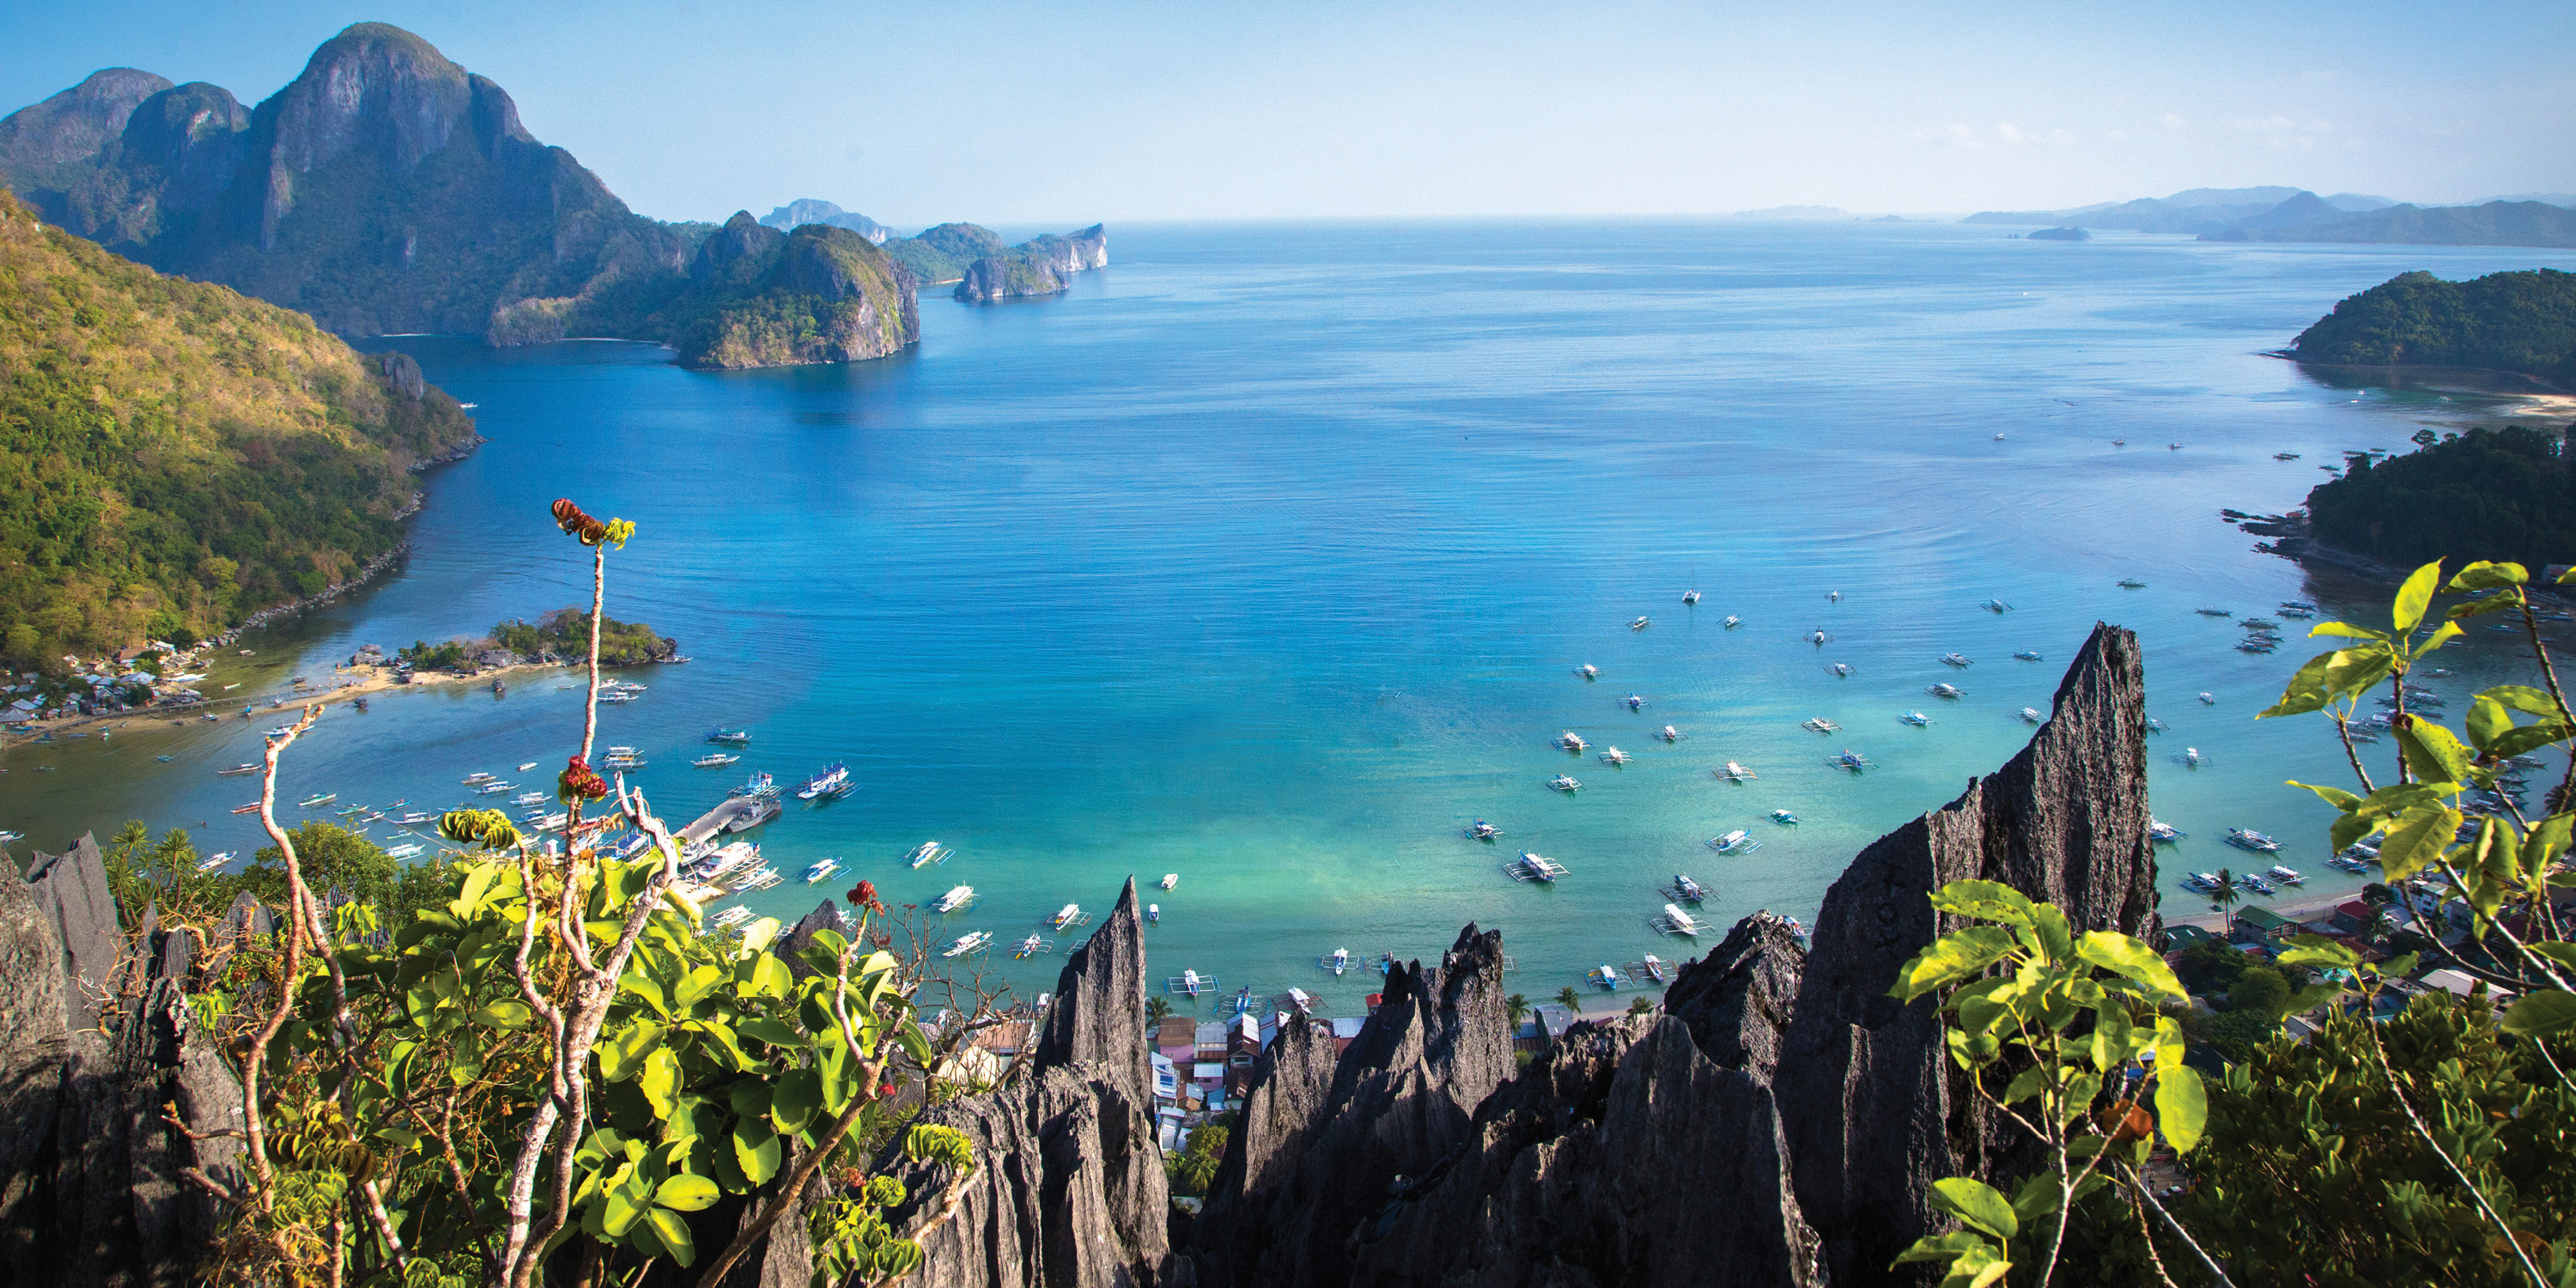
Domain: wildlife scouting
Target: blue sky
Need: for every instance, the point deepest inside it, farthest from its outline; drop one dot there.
(1062, 112)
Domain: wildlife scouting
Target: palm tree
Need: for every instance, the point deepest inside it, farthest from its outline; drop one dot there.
(1518, 1006)
(1157, 1010)
(1572, 1000)
(2226, 894)
(1642, 1006)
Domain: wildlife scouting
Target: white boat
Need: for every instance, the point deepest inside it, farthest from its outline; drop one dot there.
(1685, 889)
(714, 759)
(1677, 922)
(403, 851)
(927, 853)
(1031, 946)
(1564, 783)
(212, 861)
(822, 871)
(1340, 961)
(1849, 759)
(1153, 914)
(415, 818)
(2286, 875)
(1171, 879)
(1483, 831)
(723, 859)
(1190, 983)
(1817, 639)
(1842, 669)
(1636, 702)
(2192, 756)
(1588, 671)
(1954, 659)
(243, 768)
(1996, 605)
(1639, 624)
(1653, 967)
(1614, 756)
(973, 941)
(730, 917)
(1915, 718)
(1819, 724)
(528, 766)
(1733, 621)
(1533, 867)
(2030, 715)
(2248, 839)
(495, 789)
(1571, 741)
(1735, 773)
(1067, 916)
(1738, 841)
(1950, 691)
(529, 798)
(956, 898)
(1605, 975)
(1672, 734)
(1784, 818)
(2208, 701)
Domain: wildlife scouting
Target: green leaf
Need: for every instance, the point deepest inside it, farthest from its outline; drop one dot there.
(2488, 575)
(2335, 796)
(2488, 721)
(2443, 634)
(622, 1056)
(2122, 955)
(914, 1043)
(2527, 739)
(2182, 1105)
(2168, 1044)
(620, 1212)
(2026, 1084)
(1946, 1247)
(695, 986)
(1977, 1205)
(2416, 596)
(772, 1030)
(686, 1193)
(2355, 669)
(2306, 690)
(503, 1015)
(2523, 698)
(660, 1080)
(756, 1149)
(749, 1097)
(1983, 901)
(2418, 838)
(771, 978)
(2538, 1015)
(795, 1099)
(2111, 1042)
(2498, 602)
(2346, 631)
(1950, 958)
(2433, 752)
(2317, 950)
(2562, 953)
(674, 1234)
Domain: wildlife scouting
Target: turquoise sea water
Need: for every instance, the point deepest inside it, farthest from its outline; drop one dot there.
(1268, 554)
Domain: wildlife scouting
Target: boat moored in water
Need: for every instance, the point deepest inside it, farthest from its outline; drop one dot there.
(1565, 783)
(822, 871)
(956, 898)
(1534, 867)
(1738, 841)
(1735, 773)
(973, 941)
(1685, 889)
(833, 778)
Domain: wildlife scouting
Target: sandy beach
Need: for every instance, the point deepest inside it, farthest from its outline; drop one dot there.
(346, 684)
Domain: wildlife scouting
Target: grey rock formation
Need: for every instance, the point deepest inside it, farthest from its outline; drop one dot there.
(33, 1033)
(1875, 1112)
(1625, 1156)
(1071, 253)
(1737, 999)
(1002, 277)
(47, 147)
(808, 210)
(1070, 1191)
(402, 374)
(98, 1198)
(1403, 1100)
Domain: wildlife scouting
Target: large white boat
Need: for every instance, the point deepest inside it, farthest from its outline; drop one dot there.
(956, 898)
(730, 918)
(1954, 659)
(1066, 916)
(1171, 879)
(1735, 773)
(973, 941)
(822, 871)
(1915, 718)
(1571, 741)
(833, 778)
(1945, 690)
(1565, 783)
(1738, 841)
(927, 853)
(1614, 756)
(1606, 975)
(1339, 961)
(1533, 867)
(403, 851)
(1819, 724)
(715, 759)
(724, 859)
(1677, 922)
(1685, 889)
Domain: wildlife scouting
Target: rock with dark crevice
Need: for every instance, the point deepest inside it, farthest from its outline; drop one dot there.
(1098, 1013)
(1875, 1110)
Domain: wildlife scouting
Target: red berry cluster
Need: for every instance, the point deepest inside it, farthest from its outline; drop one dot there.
(580, 782)
(573, 520)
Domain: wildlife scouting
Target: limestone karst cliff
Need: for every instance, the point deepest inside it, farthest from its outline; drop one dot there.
(1040, 266)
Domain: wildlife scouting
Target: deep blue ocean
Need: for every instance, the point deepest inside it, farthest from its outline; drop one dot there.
(1267, 555)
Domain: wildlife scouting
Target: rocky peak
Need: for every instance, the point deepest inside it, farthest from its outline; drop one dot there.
(742, 238)
(373, 86)
(192, 135)
(1736, 1001)
(1873, 1108)
(72, 127)
(71, 889)
(819, 261)
(1098, 1015)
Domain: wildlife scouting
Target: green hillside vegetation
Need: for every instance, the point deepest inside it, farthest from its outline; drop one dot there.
(941, 255)
(178, 456)
(565, 632)
(756, 297)
(2490, 493)
(2514, 321)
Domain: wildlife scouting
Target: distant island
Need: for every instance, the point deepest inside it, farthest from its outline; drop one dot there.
(182, 460)
(2523, 321)
(560, 636)
(2295, 214)
(387, 190)
(2060, 234)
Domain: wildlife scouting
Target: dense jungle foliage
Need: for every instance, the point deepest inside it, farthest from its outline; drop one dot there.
(177, 456)
(2505, 492)
(565, 632)
(2519, 321)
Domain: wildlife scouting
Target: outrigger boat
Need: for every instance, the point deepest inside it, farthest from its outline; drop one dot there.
(1640, 624)
(1635, 702)
(737, 737)
(1031, 946)
(1533, 867)
(1483, 831)
(1571, 741)
(2027, 656)
(1565, 783)
(214, 861)
(1588, 671)
(1851, 760)
(714, 759)
(1068, 917)
(1605, 975)
(2249, 839)
(1915, 718)
(833, 777)
(1735, 773)
(1339, 961)
(1996, 605)
(1672, 734)
(1732, 622)
(1677, 922)
(1190, 983)
(2215, 612)
(251, 808)
(2287, 876)
(1652, 968)
(311, 802)
(1685, 889)
(478, 779)
(405, 850)
(2154, 725)
(1951, 691)
(2163, 832)
(822, 871)
(1738, 841)
(237, 770)
(2132, 583)
(2192, 756)
(729, 918)
(1819, 724)
(1955, 659)
(956, 898)
(1817, 639)
(2207, 701)
(1614, 756)
(1784, 818)
(973, 941)
(1842, 669)
(2030, 715)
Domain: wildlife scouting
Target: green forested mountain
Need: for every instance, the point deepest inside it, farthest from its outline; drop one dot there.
(2516, 321)
(385, 189)
(2486, 494)
(174, 456)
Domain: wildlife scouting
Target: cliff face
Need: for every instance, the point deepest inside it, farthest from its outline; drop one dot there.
(46, 148)
(760, 298)
(93, 1193)
(1040, 266)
